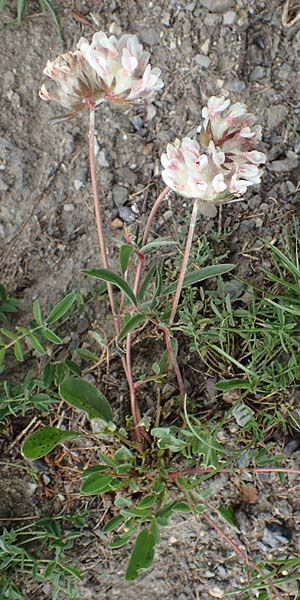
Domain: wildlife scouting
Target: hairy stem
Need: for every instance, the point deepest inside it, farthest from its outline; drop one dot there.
(185, 259)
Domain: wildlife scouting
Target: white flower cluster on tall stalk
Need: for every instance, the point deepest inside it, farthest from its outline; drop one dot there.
(108, 69)
(225, 163)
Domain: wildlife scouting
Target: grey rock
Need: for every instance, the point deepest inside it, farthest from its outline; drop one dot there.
(127, 214)
(126, 176)
(68, 207)
(235, 85)
(229, 17)
(149, 36)
(103, 158)
(168, 391)
(258, 73)
(120, 195)
(207, 209)
(276, 113)
(286, 164)
(202, 60)
(275, 535)
(3, 185)
(217, 6)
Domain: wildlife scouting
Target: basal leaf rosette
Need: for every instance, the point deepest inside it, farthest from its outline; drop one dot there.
(108, 69)
(225, 164)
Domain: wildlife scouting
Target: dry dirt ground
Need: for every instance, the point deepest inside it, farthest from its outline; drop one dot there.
(240, 49)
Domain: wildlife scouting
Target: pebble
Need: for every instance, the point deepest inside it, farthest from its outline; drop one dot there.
(275, 535)
(149, 36)
(216, 592)
(235, 86)
(276, 113)
(229, 17)
(116, 224)
(168, 391)
(103, 158)
(78, 184)
(69, 207)
(208, 209)
(202, 60)
(217, 6)
(258, 73)
(205, 47)
(126, 214)
(120, 195)
(286, 164)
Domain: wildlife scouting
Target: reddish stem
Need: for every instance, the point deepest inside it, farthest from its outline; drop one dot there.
(185, 259)
(99, 222)
(175, 366)
(132, 388)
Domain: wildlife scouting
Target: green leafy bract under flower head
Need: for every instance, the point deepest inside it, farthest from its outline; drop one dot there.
(108, 69)
(225, 164)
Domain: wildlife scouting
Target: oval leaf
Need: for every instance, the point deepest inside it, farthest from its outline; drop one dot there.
(86, 397)
(124, 256)
(114, 279)
(142, 554)
(44, 440)
(61, 308)
(96, 484)
(199, 275)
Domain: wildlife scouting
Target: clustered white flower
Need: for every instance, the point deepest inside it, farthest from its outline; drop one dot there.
(225, 164)
(108, 69)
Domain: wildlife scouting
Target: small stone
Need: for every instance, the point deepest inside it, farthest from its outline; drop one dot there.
(46, 479)
(103, 158)
(276, 113)
(216, 592)
(208, 209)
(168, 391)
(202, 60)
(205, 47)
(258, 73)
(149, 36)
(286, 164)
(235, 86)
(78, 184)
(116, 224)
(69, 207)
(217, 6)
(275, 535)
(120, 195)
(229, 17)
(127, 214)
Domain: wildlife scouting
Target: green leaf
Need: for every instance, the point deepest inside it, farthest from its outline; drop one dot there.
(18, 351)
(147, 501)
(142, 554)
(124, 256)
(9, 334)
(37, 313)
(61, 308)
(227, 514)
(87, 354)
(113, 523)
(182, 507)
(86, 397)
(114, 279)
(157, 243)
(119, 541)
(51, 336)
(20, 10)
(49, 4)
(44, 440)
(36, 344)
(96, 484)
(233, 384)
(146, 282)
(2, 356)
(132, 324)
(199, 275)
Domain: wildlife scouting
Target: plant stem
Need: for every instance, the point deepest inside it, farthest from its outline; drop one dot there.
(185, 259)
(175, 366)
(99, 223)
(98, 214)
(138, 275)
(206, 471)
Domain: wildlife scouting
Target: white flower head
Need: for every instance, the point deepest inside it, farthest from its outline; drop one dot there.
(108, 69)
